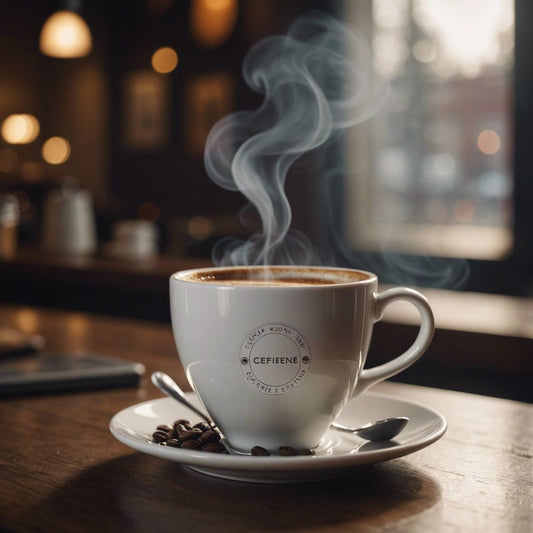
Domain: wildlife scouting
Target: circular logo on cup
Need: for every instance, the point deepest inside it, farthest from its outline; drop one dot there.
(275, 358)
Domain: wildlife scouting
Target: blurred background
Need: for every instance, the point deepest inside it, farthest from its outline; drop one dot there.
(434, 173)
(105, 107)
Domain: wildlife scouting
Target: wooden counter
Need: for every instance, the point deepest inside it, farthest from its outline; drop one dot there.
(62, 471)
(93, 283)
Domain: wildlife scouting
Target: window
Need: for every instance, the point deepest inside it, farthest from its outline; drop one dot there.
(438, 176)
(444, 171)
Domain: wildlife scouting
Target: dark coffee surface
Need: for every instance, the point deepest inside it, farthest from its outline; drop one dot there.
(267, 282)
(276, 276)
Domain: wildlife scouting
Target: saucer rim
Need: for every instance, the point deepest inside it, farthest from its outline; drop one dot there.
(277, 464)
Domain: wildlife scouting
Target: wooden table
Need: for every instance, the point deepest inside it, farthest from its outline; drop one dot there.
(61, 470)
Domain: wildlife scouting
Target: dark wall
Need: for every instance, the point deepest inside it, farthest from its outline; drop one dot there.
(87, 101)
(172, 173)
(69, 97)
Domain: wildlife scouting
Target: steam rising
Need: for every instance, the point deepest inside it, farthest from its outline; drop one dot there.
(312, 90)
(317, 80)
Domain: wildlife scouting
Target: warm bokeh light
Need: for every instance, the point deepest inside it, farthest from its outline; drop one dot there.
(213, 21)
(56, 150)
(31, 171)
(8, 160)
(164, 60)
(218, 5)
(65, 34)
(20, 129)
(28, 320)
(489, 142)
(78, 329)
(200, 227)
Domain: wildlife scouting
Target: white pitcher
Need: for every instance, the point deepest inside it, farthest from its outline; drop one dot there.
(69, 226)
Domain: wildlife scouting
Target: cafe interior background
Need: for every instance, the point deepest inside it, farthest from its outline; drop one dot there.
(434, 190)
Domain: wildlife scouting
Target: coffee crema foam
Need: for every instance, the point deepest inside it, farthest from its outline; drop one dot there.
(275, 277)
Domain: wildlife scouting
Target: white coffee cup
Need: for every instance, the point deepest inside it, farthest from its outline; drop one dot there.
(275, 353)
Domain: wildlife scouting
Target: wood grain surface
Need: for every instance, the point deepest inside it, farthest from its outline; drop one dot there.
(61, 470)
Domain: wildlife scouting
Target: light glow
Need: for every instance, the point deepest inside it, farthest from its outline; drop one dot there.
(164, 60)
(20, 129)
(65, 34)
(200, 227)
(56, 150)
(489, 142)
(467, 34)
(31, 171)
(213, 21)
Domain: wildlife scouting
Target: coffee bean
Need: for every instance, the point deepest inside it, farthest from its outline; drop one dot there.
(201, 436)
(191, 445)
(307, 451)
(287, 450)
(189, 434)
(182, 422)
(213, 447)
(203, 426)
(168, 430)
(209, 436)
(159, 436)
(260, 451)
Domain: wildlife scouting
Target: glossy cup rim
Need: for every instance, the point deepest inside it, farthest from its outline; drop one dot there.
(341, 276)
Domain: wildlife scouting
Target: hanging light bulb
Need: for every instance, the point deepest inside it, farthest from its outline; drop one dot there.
(213, 21)
(65, 34)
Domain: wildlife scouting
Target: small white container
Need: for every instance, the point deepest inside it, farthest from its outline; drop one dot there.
(69, 226)
(133, 239)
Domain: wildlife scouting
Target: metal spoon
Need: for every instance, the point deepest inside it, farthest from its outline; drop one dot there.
(375, 431)
(380, 430)
(167, 385)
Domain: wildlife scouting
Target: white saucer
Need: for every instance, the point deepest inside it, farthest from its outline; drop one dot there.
(338, 454)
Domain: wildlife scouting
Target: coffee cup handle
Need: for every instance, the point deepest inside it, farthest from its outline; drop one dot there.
(371, 376)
